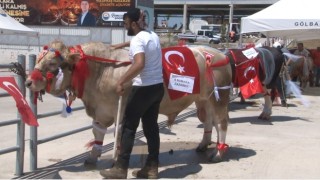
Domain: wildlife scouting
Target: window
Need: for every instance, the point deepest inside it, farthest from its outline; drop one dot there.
(200, 33)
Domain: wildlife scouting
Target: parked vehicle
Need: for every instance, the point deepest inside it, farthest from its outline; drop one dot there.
(204, 36)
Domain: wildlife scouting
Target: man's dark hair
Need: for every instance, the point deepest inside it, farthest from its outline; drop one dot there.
(133, 15)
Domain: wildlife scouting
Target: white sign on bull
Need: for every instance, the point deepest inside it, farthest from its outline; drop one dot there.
(250, 53)
(181, 83)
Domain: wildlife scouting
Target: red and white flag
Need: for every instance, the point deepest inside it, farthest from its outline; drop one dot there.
(251, 88)
(247, 78)
(9, 84)
(180, 72)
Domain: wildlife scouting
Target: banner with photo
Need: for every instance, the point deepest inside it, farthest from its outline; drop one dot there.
(147, 6)
(108, 13)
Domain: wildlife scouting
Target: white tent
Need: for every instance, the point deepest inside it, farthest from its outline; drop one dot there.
(294, 19)
(9, 26)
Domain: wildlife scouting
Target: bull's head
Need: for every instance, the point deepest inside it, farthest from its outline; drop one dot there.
(52, 71)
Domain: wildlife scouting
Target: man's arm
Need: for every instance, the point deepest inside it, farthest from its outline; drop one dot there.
(133, 71)
(121, 45)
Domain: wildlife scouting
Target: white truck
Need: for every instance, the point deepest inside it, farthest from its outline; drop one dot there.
(202, 35)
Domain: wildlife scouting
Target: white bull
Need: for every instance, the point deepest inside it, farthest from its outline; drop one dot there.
(100, 98)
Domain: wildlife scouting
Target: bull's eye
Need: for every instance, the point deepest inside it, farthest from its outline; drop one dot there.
(52, 64)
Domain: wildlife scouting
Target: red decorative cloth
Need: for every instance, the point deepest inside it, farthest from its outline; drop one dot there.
(36, 75)
(80, 72)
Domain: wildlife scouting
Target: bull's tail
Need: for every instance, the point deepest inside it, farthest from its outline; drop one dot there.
(291, 87)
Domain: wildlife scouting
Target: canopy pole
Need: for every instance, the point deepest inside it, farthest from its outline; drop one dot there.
(230, 17)
(268, 41)
(185, 8)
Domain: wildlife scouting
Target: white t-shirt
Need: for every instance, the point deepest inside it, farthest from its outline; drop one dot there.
(147, 42)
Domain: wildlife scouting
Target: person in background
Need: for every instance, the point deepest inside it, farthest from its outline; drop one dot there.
(315, 54)
(301, 51)
(144, 99)
(86, 18)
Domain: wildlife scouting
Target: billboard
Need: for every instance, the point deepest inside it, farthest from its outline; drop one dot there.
(66, 12)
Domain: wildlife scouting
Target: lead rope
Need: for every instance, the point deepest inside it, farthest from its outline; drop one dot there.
(68, 103)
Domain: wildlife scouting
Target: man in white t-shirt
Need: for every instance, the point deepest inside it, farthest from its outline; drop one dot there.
(144, 99)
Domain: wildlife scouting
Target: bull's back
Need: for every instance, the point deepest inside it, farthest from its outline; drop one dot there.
(222, 77)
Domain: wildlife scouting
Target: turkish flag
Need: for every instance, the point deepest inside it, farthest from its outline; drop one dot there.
(247, 78)
(180, 72)
(9, 84)
(246, 71)
(251, 88)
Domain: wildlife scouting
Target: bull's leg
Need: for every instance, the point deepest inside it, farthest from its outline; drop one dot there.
(221, 119)
(221, 146)
(96, 151)
(204, 109)
(267, 109)
(311, 78)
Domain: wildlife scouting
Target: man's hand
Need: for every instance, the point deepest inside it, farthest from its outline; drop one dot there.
(120, 89)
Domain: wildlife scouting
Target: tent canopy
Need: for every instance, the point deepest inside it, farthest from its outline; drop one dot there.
(9, 25)
(295, 19)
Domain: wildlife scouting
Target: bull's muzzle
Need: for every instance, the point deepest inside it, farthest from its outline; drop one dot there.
(28, 83)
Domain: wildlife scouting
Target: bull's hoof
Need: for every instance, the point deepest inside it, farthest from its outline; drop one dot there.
(201, 149)
(91, 161)
(265, 118)
(216, 157)
(94, 154)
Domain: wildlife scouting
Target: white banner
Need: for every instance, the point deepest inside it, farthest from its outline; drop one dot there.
(112, 16)
(181, 83)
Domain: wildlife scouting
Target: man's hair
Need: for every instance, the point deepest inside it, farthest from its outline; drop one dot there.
(300, 43)
(133, 14)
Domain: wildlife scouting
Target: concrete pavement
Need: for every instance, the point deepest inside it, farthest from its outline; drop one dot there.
(285, 147)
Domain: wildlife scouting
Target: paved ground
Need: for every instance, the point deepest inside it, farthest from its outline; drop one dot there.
(286, 147)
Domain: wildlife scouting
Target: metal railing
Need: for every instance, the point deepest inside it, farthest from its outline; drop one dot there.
(20, 145)
(34, 141)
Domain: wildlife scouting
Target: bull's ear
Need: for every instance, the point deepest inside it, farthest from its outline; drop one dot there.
(73, 58)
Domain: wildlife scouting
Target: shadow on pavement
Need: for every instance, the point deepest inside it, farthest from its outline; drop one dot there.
(76, 164)
(177, 160)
